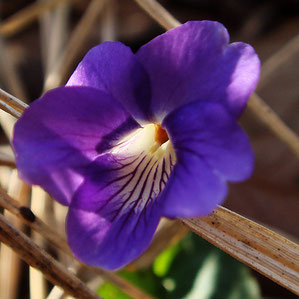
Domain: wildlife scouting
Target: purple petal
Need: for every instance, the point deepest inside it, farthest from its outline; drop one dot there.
(193, 189)
(59, 135)
(99, 241)
(194, 62)
(116, 210)
(113, 68)
(211, 149)
(114, 215)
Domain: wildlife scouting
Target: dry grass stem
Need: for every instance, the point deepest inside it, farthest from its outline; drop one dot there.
(13, 83)
(10, 263)
(260, 248)
(159, 13)
(21, 19)
(38, 258)
(7, 121)
(9, 72)
(258, 107)
(26, 215)
(273, 63)
(37, 283)
(5, 173)
(80, 34)
(274, 123)
(11, 104)
(7, 108)
(7, 160)
(108, 21)
(54, 35)
(56, 293)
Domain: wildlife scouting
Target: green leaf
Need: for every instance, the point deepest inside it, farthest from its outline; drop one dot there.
(163, 261)
(192, 269)
(109, 291)
(145, 280)
(201, 271)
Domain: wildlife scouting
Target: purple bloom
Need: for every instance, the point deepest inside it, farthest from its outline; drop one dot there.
(132, 138)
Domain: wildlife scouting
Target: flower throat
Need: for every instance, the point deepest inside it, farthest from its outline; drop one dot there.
(160, 135)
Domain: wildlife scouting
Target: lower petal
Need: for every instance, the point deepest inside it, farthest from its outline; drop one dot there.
(115, 212)
(98, 240)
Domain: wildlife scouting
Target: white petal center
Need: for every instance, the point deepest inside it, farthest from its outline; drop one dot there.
(143, 168)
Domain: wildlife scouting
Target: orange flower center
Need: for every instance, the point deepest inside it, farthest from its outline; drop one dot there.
(160, 135)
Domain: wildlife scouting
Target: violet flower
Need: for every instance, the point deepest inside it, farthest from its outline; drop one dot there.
(132, 138)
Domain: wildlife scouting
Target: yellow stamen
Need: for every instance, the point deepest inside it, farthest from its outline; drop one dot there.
(160, 135)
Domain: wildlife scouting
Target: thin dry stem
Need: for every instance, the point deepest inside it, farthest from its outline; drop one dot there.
(108, 21)
(21, 19)
(37, 282)
(5, 173)
(278, 59)
(56, 293)
(38, 258)
(274, 123)
(260, 248)
(79, 36)
(10, 75)
(7, 160)
(13, 83)
(26, 215)
(159, 13)
(258, 106)
(10, 263)
(54, 34)
(11, 104)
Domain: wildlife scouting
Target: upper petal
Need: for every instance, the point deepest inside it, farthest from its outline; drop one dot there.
(195, 62)
(211, 149)
(63, 132)
(114, 69)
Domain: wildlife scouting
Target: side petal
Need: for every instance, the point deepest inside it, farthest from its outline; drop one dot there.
(113, 68)
(193, 189)
(63, 132)
(211, 149)
(195, 62)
